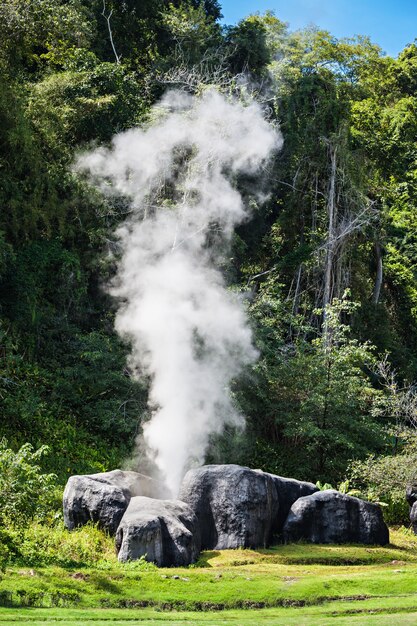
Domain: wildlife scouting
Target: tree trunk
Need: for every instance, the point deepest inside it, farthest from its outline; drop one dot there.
(331, 212)
(331, 238)
(296, 300)
(379, 274)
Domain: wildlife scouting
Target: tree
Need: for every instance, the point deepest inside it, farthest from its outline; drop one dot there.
(310, 402)
(249, 51)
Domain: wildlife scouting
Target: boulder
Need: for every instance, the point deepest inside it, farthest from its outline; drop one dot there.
(289, 490)
(411, 493)
(163, 531)
(236, 507)
(332, 517)
(103, 498)
(413, 517)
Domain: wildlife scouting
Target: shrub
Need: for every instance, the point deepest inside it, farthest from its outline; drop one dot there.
(384, 479)
(42, 545)
(25, 492)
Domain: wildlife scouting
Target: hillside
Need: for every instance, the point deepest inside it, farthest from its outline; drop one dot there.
(208, 246)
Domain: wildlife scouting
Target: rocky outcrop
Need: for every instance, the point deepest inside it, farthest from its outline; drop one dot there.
(163, 531)
(103, 498)
(289, 490)
(236, 507)
(219, 507)
(333, 517)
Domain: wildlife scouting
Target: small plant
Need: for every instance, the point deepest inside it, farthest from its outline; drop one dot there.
(344, 487)
(140, 564)
(323, 486)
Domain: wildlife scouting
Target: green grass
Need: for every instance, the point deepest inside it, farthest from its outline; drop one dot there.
(403, 611)
(295, 584)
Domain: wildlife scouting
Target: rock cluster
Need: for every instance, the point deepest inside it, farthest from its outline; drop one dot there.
(219, 507)
(103, 498)
(237, 507)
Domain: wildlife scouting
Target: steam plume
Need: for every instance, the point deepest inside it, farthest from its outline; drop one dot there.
(186, 330)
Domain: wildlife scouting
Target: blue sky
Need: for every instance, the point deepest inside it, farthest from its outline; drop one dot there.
(390, 23)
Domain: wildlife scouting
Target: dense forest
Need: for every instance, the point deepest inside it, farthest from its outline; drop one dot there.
(327, 264)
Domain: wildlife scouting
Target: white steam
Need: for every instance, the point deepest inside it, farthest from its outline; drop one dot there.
(187, 331)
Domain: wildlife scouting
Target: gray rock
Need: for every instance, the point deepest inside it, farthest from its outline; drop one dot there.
(411, 493)
(103, 498)
(235, 506)
(164, 531)
(333, 517)
(413, 517)
(289, 490)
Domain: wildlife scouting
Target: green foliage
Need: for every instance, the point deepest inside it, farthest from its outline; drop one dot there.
(83, 104)
(88, 411)
(384, 478)
(313, 401)
(25, 492)
(192, 30)
(41, 288)
(36, 544)
(25, 191)
(248, 44)
(323, 486)
(41, 545)
(312, 407)
(32, 33)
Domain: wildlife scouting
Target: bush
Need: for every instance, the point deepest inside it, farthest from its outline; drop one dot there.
(25, 492)
(384, 478)
(42, 545)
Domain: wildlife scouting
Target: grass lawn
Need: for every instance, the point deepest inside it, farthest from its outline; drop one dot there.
(296, 584)
(397, 611)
